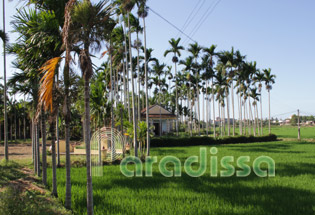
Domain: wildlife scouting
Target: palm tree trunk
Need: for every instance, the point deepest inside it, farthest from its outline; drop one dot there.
(34, 146)
(146, 87)
(176, 92)
(239, 99)
(0, 131)
(112, 102)
(254, 120)
(261, 117)
(190, 107)
(220, 122)
(37, 150)
(257, 117)
(213, 108)
(127, 85)
(269, 110)
(160, 114)
(232, 93)
(138, 66)
(223, 116)
(133, 92)
(87, 145)
(24, 122)
(6, 145)
(228, 113)
(15, 128)
(209, 113)
(53, 156)
(44, 156)
(57, 139)
(207, 103)
(198, 107)
(66, 114)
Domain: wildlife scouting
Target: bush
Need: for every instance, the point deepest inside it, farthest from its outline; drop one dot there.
(206, 141)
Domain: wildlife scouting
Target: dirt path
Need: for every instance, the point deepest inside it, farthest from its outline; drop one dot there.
(17, 151)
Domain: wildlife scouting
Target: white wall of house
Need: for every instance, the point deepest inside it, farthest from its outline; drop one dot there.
(166, 125)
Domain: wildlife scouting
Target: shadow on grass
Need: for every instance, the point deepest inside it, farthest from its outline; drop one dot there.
(9, 172)
(272, 148)
(265, 196)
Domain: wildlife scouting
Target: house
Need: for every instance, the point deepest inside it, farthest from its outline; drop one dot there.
(160, 118)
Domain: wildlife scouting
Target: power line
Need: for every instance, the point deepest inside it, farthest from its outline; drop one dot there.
(204, 17)
(207, 16)
(281, 114)
(174, 26)
(184, 26)
(188, 21)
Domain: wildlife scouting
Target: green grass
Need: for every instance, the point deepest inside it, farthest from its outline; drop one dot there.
(292, 131)
(285, 131)
(18, 141)
(292, 191)
(18, 197)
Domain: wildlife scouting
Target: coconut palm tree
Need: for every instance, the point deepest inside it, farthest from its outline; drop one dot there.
(269, 81)
(175, 49)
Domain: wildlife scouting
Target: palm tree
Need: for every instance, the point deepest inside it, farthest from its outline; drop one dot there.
(159, 70)
(255, 96)
(5, 39)
(210, 53)
(127, 6)
(143, 13)
(239, 62)
(175, 49)
(48, 97)
(269, 80)
(94, 19)
(188, 63)
(259, 78)
(195, 50)
(137, 45)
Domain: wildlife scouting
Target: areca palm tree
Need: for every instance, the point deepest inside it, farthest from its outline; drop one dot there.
(90, 22)
(127, 6)
(188, 64)
(195, 50)
(211, 53)
(269, 81)
(159, 70)
(5, 39)
(259, 78)
(143, 13)
(175, 49)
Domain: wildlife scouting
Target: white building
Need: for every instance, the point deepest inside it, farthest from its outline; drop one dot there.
(160, 118)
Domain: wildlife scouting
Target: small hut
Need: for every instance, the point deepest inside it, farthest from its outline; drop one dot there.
(162, 119)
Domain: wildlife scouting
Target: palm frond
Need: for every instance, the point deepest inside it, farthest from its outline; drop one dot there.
(47, 84)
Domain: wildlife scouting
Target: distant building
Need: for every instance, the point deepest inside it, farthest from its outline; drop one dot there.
(309, 123)
(157, 112)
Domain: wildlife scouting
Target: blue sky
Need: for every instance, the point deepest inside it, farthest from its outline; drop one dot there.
(279, 34)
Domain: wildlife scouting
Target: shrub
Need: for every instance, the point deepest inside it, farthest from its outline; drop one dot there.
(206, 141)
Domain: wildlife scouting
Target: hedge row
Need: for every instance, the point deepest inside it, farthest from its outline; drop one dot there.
(206, 141)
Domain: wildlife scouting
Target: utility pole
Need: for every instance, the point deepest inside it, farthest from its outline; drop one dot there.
(299, 129)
